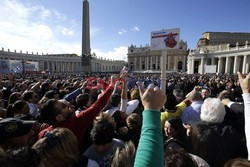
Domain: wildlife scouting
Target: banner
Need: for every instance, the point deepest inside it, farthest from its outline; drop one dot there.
(4, 67)
(31, 66)
(16, 66)
(165, 39)
(210, 69)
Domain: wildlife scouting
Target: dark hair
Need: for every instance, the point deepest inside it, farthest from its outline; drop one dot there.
(24, 156)
(176, 124)
(28, 95)
(115, 100)
(45, 86)
(14, 97)
(15, 108)
(102, 132)
(82, 100)
(48, 112)
(50, 94)
(179, 158)
(208, 145)
(177, 92)
(171, 102)
(62, 93)
(58, 85)
(117, 116)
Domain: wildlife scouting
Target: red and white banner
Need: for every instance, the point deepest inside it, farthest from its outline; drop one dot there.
(165, 39)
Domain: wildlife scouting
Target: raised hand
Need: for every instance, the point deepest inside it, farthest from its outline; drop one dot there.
(244, 82)
(84, 84)
(114, 78)
(153, 99)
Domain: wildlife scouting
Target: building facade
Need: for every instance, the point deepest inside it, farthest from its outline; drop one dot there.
(62, 63)
(143, 59)
(219, 38)
(217, 51)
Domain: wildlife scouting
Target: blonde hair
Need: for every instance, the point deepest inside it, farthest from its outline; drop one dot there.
(124, 157)
(60, 149)
(103, 116)
(134, 122)
(237, 162)
(134, 94)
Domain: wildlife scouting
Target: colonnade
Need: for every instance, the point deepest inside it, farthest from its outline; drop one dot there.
(224, 64)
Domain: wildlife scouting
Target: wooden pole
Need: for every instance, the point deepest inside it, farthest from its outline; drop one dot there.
(163, 70)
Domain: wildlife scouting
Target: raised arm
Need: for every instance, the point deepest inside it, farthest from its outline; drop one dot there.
(245, 86)
(150, 149)
(75, 93)
(95, 108)
(124, 98)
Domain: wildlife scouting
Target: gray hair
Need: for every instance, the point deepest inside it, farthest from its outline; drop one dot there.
(212, 111)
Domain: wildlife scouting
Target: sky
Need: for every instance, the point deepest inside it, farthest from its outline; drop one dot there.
(54, 26)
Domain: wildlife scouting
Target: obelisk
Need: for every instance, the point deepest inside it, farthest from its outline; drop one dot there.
(86, 52)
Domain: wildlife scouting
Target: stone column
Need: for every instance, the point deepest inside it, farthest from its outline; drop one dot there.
(192, 66)
(219, 65)
(140, 60)
(67, 66)
(60, 64)
(158, 62)
(53, 66)
(244, 64)
(184, 63)
(247, 64)
(135, 68)
(168, 61)
(50, 66)
(147, 60)
(57, 67)
(227, 67)
(202, 66)
(151, 64)
(70, 66)
(213, 61)
(236, 64)
(175, 62)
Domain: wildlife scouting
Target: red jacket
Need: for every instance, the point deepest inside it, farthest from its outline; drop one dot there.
(79, 124)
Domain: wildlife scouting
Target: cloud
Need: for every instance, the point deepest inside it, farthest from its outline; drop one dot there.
(29, 27)
(119, 53)
(59, 15)
(94, 31)
(45, 13)
(122, 31)
(35, 28)
(66, 31)
(135, 28)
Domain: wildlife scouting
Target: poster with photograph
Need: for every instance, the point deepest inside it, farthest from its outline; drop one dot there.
(165, 39)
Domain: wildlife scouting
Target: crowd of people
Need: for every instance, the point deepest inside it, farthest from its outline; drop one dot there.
(124, 120)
